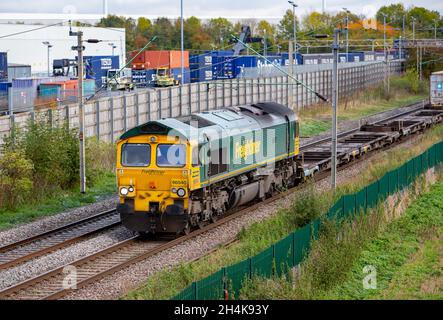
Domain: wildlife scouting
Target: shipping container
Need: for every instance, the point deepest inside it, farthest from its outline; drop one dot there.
(223, 67)
(143, 78)
(4, 87)
(176, 73)
(285, 58)
(97, 67)
(436, 90)
(317, 58)
(33, 82)
(3, 66)
(154, 59)
(18, 71)
(369, 56)
(65, 90)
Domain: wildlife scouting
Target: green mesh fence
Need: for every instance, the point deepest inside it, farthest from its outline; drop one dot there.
(290, 251)
(261, 264)
(283, 255)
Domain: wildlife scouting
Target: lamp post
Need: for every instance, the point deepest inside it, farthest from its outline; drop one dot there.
(265, 49)
(413, 28)
(435, 29)
(113, 46)
(294, 5)
(335, 48)
(182, 54)
(49, 46)
(347, 33)
(384, 36)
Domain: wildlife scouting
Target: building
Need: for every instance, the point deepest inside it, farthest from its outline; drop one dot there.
(24, 44)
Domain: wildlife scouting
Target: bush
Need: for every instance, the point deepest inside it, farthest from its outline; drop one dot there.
(54, 154)
(100, 158)
(15, 178)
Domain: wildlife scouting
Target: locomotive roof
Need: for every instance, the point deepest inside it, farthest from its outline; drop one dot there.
(217, 123)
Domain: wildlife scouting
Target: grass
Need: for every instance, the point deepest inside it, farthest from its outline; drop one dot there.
(259, 236)
(60, 201)
(317, 119)
(405, 252)
(408, 256)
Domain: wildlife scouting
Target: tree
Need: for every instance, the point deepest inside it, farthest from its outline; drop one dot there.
(143, 26)
(220, 30)
(129, 24)
(195, 37)
(394, 13)
(316, 22)
(424, 18)
(286, 25)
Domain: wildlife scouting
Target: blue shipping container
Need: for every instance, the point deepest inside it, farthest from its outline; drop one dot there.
(285, 58)
(4, 87)
(144, 78)
(98, 66)
(176, 73)
(3, 66)
(223, 67)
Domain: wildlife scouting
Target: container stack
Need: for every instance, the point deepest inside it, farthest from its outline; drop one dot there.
(96, 67)
(145, 66)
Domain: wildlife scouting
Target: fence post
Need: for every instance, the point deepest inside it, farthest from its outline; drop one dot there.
(189, 98)
(180, 101)
(50, 118)
(170, 101)
(111, 109)
(97, 119)
(125, 115)
(198, 98)
(66, 116)
(159, 104)
(137, 109)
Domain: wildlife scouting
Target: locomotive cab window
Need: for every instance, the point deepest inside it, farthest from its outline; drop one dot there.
(171, 155)
(136, 155)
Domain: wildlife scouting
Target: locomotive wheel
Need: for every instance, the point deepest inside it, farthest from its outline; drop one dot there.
(214, 218)
(187, 229)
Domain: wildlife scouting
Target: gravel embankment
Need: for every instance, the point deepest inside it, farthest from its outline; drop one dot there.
(58, 220)
(112, 287)
(62, 257)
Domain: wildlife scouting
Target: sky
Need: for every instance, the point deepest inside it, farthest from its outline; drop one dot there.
(201, 8)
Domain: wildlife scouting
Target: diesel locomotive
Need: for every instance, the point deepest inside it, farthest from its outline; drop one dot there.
(178, 173)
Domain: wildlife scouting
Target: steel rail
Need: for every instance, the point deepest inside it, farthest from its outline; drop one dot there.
(35, 246)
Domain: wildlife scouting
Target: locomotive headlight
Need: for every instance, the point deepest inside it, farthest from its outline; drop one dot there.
(124, 191)
(131, 189)
(181, 192)
(174, 190)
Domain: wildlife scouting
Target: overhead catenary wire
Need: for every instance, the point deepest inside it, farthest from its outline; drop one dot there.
(128, 63)
(31, 30)
(321, 97)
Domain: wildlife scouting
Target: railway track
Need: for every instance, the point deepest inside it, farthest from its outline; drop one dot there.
(55, 283)
(55, 239)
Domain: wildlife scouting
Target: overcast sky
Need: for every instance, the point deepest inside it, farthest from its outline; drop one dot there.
(202, 8)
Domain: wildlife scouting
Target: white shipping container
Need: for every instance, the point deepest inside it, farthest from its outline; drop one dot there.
(436, 90)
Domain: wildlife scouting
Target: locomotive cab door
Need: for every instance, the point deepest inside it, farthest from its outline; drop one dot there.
(289, 137)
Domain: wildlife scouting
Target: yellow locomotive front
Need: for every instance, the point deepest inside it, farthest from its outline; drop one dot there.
(152, 177)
